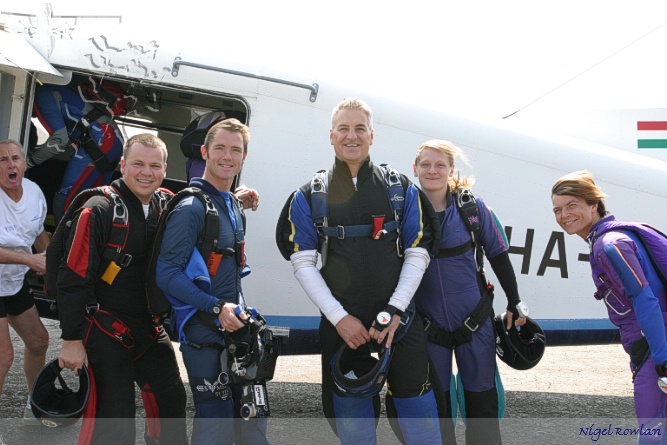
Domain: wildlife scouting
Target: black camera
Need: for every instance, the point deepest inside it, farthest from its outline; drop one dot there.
(249, 360)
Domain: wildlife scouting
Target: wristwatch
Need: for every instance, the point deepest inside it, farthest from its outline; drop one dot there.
(522, 309)
(217, 307)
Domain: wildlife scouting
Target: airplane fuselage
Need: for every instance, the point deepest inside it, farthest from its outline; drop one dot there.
(289, 118)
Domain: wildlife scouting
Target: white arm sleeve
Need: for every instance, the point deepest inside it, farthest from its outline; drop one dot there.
(305, 269)
(414, 265)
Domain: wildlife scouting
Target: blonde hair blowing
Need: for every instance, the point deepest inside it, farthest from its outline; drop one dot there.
(451, 152)
(581, 184)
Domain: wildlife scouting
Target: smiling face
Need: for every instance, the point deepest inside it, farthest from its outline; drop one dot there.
(574, 214)
(224, 158)
(433, 170)
(12, 169)
(143, 170)
(351, 137)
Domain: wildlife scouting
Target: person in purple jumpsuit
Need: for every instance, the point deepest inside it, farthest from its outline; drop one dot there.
(630, 286)
(452, 288)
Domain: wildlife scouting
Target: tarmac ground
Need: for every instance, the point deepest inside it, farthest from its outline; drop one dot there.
(575, 395)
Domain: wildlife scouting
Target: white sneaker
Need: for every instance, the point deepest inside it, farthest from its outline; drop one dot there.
(29, 419)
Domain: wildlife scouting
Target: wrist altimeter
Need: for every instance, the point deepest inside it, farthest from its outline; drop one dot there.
(662, 379)
(522, 309)
(383, 318)
(217, 307)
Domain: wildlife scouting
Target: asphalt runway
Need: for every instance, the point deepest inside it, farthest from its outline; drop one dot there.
(575, 395)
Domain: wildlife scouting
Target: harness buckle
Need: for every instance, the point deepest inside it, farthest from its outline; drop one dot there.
(125, 260)
(158, 320)
(378, 227)
(340, 232)
(225, 252)
(318, 185)
(119, 210)
(467, 325)
(92, 308)
(427, 324)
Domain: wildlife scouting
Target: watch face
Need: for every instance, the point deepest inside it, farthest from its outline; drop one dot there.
(522, 308)
(383, 318)
(216, 309)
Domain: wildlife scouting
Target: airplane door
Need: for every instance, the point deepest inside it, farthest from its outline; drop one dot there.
(19, 65)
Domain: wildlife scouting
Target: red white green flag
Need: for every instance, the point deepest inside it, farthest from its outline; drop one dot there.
(652, 134)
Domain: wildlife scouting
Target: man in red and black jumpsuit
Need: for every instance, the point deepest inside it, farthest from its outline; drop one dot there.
(115, 335)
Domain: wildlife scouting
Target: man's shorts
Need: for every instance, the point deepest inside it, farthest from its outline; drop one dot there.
(17, 304)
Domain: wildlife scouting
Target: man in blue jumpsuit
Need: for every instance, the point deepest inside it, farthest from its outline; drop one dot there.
(363, 276)
(225, 149)
(628, 282)
(104, 317)
(81, 118)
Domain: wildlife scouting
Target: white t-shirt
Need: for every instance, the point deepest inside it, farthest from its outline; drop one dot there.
(20, 224)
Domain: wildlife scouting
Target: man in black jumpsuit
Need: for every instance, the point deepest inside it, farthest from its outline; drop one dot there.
(365, 275)
(104, 316)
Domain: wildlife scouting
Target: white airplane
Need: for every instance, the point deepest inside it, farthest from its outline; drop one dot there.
(289, 118)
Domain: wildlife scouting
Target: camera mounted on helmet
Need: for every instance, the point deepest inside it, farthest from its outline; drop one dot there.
(249, 359)
(519, 347)
(59, 406)
(250, 352)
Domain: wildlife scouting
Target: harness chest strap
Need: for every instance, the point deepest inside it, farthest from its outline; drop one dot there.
(319, 204)
(447, 252)
(342, 232)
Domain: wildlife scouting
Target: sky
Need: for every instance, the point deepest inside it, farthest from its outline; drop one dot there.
(482, 58)
(489, 58)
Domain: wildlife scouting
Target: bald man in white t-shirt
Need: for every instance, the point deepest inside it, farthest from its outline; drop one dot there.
(22, 214)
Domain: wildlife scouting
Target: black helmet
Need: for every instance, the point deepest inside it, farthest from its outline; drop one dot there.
(369, 372)
(58, 406)
(521, 348)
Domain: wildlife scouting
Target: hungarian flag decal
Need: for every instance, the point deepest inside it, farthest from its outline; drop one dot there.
(652, 134)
